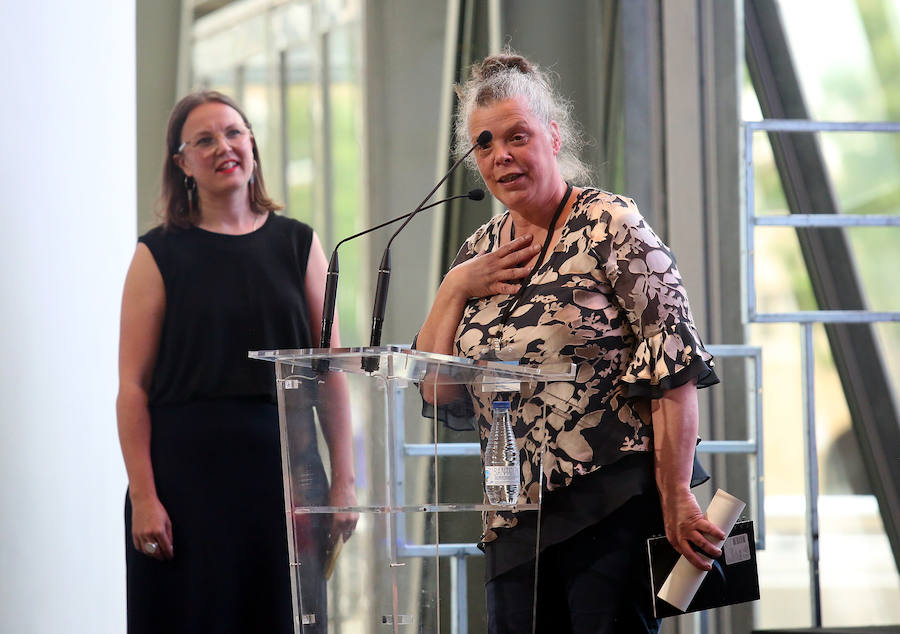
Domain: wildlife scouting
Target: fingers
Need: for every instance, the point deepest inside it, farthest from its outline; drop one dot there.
(504, 289)
(691, 533)
(710, 545)
(343, 525)
(708, 551)
(697, 540)
(506, 268)
(149, 546)
(696, 559)
(699, 548)
(490, 273)
(157, 547)
(166, 543)
(505, 281)
(346, 522)
(711, 531)
(511, 254)
(516, 273)
(155, 543)
(516, 245)
(516, 252)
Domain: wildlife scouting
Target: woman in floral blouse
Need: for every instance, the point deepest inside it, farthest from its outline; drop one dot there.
(574, 274)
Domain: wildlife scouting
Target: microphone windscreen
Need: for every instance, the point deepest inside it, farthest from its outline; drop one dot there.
(484, 138)
(476, 194)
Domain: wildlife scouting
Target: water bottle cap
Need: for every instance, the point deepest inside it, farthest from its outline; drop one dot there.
(500, 405)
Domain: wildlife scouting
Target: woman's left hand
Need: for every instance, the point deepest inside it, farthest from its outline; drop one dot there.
(343, 523)
(687, 526)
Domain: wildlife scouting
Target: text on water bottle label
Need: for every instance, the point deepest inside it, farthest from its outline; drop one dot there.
(501, 476)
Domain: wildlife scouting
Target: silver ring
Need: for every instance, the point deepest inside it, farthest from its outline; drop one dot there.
(151, 547)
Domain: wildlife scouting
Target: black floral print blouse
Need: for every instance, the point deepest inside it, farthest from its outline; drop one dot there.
(610, 300)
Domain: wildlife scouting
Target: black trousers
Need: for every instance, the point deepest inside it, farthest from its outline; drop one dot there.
(594, 582)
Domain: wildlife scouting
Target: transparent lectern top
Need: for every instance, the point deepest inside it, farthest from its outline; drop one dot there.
(403, 363)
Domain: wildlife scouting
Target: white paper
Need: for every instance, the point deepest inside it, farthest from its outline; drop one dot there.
(684, 580)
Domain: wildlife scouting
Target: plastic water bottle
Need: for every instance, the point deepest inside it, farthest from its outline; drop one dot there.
(501, 459)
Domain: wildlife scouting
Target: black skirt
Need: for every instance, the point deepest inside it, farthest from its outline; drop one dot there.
(217, 466)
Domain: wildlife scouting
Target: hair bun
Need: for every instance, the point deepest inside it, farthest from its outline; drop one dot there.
(499, 63)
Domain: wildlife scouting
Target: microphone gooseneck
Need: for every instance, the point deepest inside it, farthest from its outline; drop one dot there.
(370, 364)
(331, 278)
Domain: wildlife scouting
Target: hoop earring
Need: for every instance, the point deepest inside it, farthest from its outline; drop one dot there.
(190, 186)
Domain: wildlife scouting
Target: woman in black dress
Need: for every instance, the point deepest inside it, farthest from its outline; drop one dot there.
(198, 424)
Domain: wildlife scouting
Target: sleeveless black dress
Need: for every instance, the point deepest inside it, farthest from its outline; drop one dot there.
(214, 432)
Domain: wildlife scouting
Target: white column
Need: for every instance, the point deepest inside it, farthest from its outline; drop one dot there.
(67, 164)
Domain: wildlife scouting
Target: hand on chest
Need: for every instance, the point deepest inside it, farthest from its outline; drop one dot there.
(567, 303)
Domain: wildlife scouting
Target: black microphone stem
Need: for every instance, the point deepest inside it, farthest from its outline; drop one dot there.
(331, 278)
(483, 139)
(381, 293)
(370, 364)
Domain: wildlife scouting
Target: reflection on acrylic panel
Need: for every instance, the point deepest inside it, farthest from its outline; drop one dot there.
(419, 513)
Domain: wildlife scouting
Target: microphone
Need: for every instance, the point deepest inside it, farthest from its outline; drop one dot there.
(331, 278)
(370, 364)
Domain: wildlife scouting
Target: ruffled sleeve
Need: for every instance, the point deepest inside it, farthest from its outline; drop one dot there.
(668, 351)
(668, 359)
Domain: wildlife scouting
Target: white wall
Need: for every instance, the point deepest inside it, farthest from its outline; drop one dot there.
(67, 165)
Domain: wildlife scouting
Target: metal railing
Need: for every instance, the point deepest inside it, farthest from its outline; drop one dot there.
(459, 552)
(753, 445)
(806, 319)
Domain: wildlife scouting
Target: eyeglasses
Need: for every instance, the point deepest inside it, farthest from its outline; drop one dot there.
(206, 142)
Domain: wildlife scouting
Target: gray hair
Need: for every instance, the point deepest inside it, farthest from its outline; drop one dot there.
(508, 75)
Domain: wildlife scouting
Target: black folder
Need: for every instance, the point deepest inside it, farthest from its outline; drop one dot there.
(734, 577)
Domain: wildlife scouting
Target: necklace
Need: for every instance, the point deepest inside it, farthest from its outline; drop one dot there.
(507, 310)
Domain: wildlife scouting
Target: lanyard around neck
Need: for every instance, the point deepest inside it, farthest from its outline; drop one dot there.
(507, 310)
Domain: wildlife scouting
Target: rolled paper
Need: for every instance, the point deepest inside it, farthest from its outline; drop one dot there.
(683, 582)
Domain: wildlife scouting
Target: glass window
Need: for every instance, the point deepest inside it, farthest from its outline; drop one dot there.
(846, 55)
(294, 69)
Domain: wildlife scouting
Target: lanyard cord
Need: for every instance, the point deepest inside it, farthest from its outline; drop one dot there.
(507, 310)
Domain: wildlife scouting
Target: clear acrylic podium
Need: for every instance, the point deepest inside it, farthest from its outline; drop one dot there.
(418, 491)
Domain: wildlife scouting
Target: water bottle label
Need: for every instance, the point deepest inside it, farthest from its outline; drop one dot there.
(501, 476)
